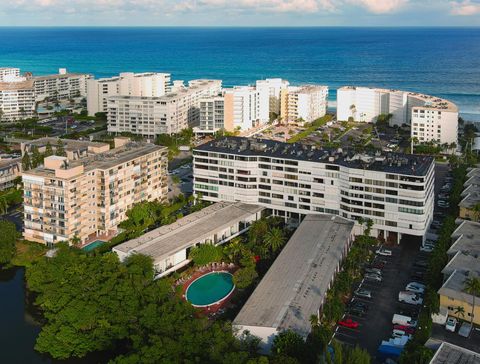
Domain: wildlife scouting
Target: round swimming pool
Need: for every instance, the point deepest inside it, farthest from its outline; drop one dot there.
(210, 289)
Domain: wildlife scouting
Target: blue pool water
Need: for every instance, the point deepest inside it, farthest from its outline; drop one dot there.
(437, 61)
(93, 245)
(210, 288)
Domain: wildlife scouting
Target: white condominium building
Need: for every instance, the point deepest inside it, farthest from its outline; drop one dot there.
(304, 103)
(273, 86)
(90, 196)
(212, 113)
(168, 114)
(8, 74)
(126, 84)
(60, 86)
(431, 118)
(245, 107)
(395, 191)
(17, 99)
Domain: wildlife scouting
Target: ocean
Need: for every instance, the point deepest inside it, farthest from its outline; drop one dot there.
(439, 61)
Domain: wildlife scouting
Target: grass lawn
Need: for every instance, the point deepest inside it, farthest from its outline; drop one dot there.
(28, 252)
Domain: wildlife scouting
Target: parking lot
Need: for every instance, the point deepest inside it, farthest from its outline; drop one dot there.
(399, 269)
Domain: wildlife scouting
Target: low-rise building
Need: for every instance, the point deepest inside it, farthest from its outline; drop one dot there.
(295, 286)
(169, 245)
(452, 354)
(88, 197)
(147, 84)
(168, 114)
(61, 86)
(303, 103)
(10, 169)
(469, 206)
(395, 191)
(432, 119)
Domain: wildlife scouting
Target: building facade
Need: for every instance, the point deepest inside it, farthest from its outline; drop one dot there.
(17, 99)
(89, 197)
(8, 74)
(10, 169)
(151, 116)
(61, 86)
(432, 119)
(273, 87)
(395, 191)
(304, 103)
(212, 114)
(126, 84)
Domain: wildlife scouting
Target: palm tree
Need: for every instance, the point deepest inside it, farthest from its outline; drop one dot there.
(75, 240)
(234, 249)
(460, 311)
(274, 239)
(472, 286)
(314, 321)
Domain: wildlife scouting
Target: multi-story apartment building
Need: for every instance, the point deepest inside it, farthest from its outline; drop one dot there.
(273, 87)
(168, 114)
(245, 107)
(304, 103)
(74, 149)
(431, 118)
(17, 99)
(9, 170)
(395, 191)
(60, 86)
(8, 74)
(126, 84)
(89, 197)
(212, 114)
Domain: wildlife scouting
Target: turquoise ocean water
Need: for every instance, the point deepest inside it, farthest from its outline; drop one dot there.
(438, 61)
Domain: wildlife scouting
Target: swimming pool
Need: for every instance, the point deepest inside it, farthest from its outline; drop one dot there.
(210, 289)
(93, 245)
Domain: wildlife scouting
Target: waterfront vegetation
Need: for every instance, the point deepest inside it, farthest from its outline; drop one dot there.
(8, 237)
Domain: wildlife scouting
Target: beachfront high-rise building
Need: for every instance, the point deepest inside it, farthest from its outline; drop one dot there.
(61, 86)
(126, 84)
(88, 197)
(168, 114)
(303, 103)
(17, 96)
(212, 114)
(431, 118)
(273, 87)
(395, 191)
(245, 107)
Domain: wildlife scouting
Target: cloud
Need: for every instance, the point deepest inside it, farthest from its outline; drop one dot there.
(381, 6)
(464, 8)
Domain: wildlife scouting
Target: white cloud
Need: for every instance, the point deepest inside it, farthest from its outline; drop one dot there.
(464, 8)
(381, 6)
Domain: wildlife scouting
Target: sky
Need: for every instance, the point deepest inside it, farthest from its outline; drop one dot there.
(240, 12)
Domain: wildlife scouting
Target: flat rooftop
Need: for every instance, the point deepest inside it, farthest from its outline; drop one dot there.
(406, 164)
(455, 284)
(430, 102)
(296, 283)
(17, 85)
(69, 144)
(461, 262)
(452, 354)
(169, 239)
(106, 160)
(466, 238)
(58, 75)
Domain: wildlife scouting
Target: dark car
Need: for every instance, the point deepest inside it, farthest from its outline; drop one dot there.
(357, 311)
(421, 263)
(373, 270)
(358, 304)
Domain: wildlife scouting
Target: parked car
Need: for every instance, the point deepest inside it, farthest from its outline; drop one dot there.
(364, 293)
(378, 265)
(348, 323)
(412, 287)
(410, 298)
(465, 329)
(384, 252)
(357, 311)
(421, 264)
(426, 249)
(400, 333)
(373, 277)
(451, 324)
(406, 329)
(403, 320)
(373, 270)
(355, 303)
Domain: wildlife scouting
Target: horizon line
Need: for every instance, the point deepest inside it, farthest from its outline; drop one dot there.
(242, 26)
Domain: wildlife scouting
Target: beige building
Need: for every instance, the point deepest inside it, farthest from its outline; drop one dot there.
(61, 86)
(75, 149)
(305, 103)
(468, 206)
(9, 170)
(17, 99)
(90, 196)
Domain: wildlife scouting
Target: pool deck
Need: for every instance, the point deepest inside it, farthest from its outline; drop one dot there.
(213, 267)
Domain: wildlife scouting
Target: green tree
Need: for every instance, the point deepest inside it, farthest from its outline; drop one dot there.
(75, 241)
(3, 206)
(7, 242)
(37, 158)
(60, 149)
(472, 287)
(206, 253)
(244, 277)
(26, 163)
(460, 311)
(48, 150)
(289, 343)
(234, 249)
(258, 229)
(274, 239)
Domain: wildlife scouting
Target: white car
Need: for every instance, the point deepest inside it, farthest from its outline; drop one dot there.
(384, 252)
(415, 287)
(451, 324)
(426, 249)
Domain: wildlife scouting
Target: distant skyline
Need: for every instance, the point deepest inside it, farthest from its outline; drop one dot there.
(240, 13)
